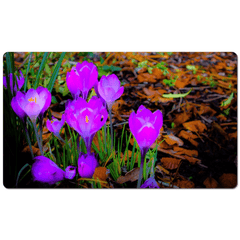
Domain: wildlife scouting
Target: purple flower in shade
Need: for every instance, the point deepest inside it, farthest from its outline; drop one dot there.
(86, 165)
(109, 89)
(33, 103)
(145, 126)
(86, 118)
(46, 171)
(17, 108)
(151, 183)
(81, 79)
(20, 81)
(70, 172)
(45, 93)
(55, 125)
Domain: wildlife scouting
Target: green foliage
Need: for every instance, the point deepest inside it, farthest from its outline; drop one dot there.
(192, 68)
(171, 95)
(228, 101)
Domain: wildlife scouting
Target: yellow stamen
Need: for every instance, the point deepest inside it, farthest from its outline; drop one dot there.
(87, 119)
(32, 100)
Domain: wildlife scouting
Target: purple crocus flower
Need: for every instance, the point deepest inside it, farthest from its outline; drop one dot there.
(151, 183)
(20, 82)
(86, 165)
(46, 171)
(86, 118)
(33, 103)
(109, 89)
(55, 125)
(145, 127)
(17, 108)
(81, 79)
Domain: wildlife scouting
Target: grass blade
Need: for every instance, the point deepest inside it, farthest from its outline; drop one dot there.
(44, 60)
(29, 61)
(55, 72)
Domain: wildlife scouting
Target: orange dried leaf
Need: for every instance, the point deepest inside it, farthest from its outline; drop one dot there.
(210, 183)
(171, 140)
(228, 180)
(146, 77)
(195, 126)
(100, 173)
(181, 151)
(184, 183)
(182, 118)
(36, 151)
(170, 163)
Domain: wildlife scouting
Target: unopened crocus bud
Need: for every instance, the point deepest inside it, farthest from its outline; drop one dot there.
(55, 125)
(46, 171)
(70, 172)
(86, 165)
(150, 183)
(109, 88)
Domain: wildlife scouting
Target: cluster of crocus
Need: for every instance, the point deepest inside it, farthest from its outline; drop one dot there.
(85, 117)
(145, 127)
(45, 170)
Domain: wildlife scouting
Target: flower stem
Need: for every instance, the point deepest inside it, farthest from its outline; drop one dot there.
(105, 137)
(28, 141)
(40, 127)
(59, 137)
(111, 126)
(38, 140)
(143, 154)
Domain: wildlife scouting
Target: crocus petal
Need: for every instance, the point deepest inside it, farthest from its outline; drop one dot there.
(146, 136)
(151, 183)
(70, 172)
(158, 120)
(118, 94)
(73, 83)
(46, 171)
(45, 96)
(16, 107)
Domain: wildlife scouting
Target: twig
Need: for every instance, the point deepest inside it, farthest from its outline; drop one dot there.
(213, 99)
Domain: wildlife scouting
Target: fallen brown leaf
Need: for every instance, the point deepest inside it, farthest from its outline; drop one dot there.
(131, 176)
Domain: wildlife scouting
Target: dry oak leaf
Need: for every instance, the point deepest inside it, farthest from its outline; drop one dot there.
(146, 77)
(189, 136)
(185, 183)
(157, 73)
(100, 173)
(130, 176)
(181, 151)
(233, 135)
(210, 183)
(206, 109)
(228, 180)
(182, 118)
(170, 163)
(195, 126)
(181, 83)
(36, 151)
(171, 140)
(56, 114)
